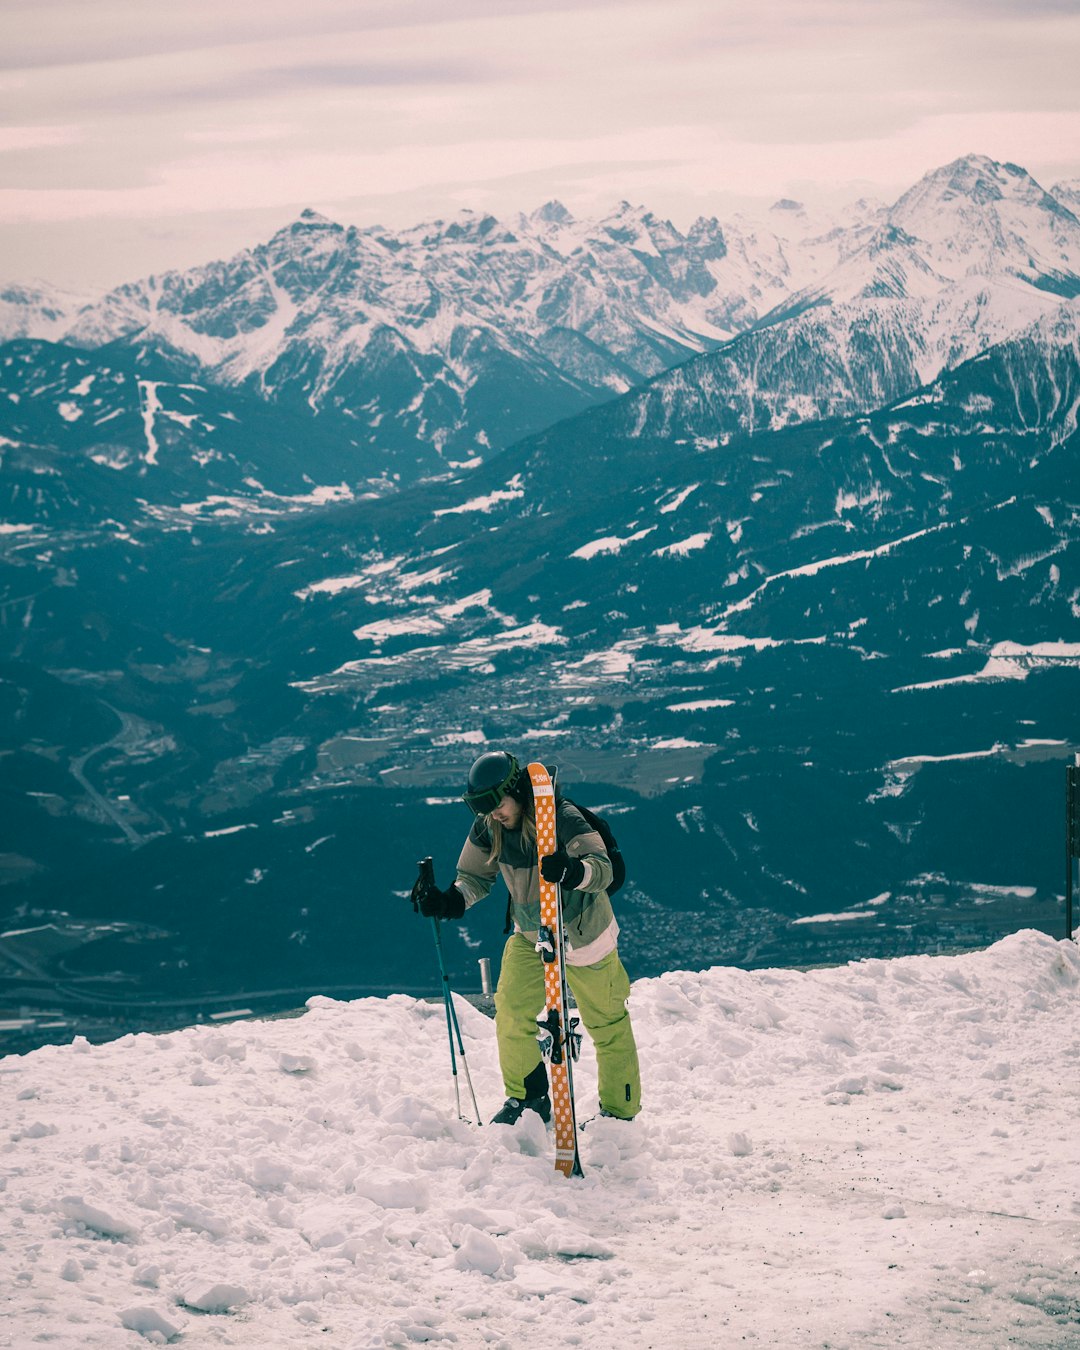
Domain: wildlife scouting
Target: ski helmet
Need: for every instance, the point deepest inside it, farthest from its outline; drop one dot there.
(492, 777)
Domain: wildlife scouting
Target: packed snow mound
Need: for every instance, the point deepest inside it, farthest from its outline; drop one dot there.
(881, 1154)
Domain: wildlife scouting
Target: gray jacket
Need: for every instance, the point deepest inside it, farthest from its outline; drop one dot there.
(591, 930)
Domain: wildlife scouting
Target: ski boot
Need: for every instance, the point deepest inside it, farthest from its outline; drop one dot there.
(536, 1099)
(513, 1108)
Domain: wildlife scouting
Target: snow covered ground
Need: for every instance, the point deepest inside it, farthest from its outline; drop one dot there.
(881, 1154)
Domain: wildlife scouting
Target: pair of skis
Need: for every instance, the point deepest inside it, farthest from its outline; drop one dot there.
(558, 1034)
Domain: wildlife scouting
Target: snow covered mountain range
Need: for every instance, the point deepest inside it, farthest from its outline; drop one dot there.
(452, 339)
(778, 606)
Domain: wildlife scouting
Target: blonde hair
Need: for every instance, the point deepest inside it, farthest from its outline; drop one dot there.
(528, 832)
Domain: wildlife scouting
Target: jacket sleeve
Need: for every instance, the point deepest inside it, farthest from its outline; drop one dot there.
(581, 841)
(475, 874)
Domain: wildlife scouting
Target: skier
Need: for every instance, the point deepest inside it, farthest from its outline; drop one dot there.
(503, 839)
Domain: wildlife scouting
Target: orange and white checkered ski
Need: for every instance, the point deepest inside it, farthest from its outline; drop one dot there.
(560, 1061)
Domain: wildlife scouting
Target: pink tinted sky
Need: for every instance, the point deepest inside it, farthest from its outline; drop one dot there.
(139, 136)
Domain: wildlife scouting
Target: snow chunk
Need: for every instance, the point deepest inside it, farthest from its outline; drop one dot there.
(477, 1251)
(98, 1220)
(853, 1086)
(212, 1297)
(38, 1130)
(290, 1062)
(268, 1173)
(393, 1190)
(198, 1218)
(548, 1236)
(151, 1324)
(324, 1226)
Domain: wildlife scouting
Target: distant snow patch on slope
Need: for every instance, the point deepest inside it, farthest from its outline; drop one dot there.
(609, 664)
(811, 569)
(473, 654)
(678, 500)
(381, 567)
(610, 544)
(698, 638)
(150, 405)
(701, 705)
(873, 496)
(431, 621)
(1011, 661)
(381, 629)
(684, 546)
(836, 918)
(513, 490)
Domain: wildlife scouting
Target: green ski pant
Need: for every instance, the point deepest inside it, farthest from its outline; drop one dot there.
(600, 990)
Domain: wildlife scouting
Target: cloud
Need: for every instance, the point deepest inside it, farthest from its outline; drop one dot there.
(38, 138)
(46, 33)
(403, 108)
(588, 172)
(277, 84)
(241, 134)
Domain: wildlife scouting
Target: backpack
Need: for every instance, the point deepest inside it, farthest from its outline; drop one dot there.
(603, 829)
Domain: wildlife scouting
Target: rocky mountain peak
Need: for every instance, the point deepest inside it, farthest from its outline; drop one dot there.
(1067, 195)
(551, 213)
(315, 219)
(706, 236)
(976, 216)
(466, 227)
(971, 181)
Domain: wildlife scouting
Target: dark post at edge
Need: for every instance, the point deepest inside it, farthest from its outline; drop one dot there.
(1072, 838)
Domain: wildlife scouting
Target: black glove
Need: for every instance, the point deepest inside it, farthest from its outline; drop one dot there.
(436, 904)
(560, 867)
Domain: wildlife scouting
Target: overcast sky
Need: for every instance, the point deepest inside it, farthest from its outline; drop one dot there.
(137, 135)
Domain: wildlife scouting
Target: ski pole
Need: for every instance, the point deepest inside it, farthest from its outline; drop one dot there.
(453, 1029)
(427, 879)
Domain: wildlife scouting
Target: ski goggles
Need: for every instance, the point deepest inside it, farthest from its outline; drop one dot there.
(485, 801)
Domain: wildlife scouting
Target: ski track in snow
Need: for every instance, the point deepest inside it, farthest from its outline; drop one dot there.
(877, 1155)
